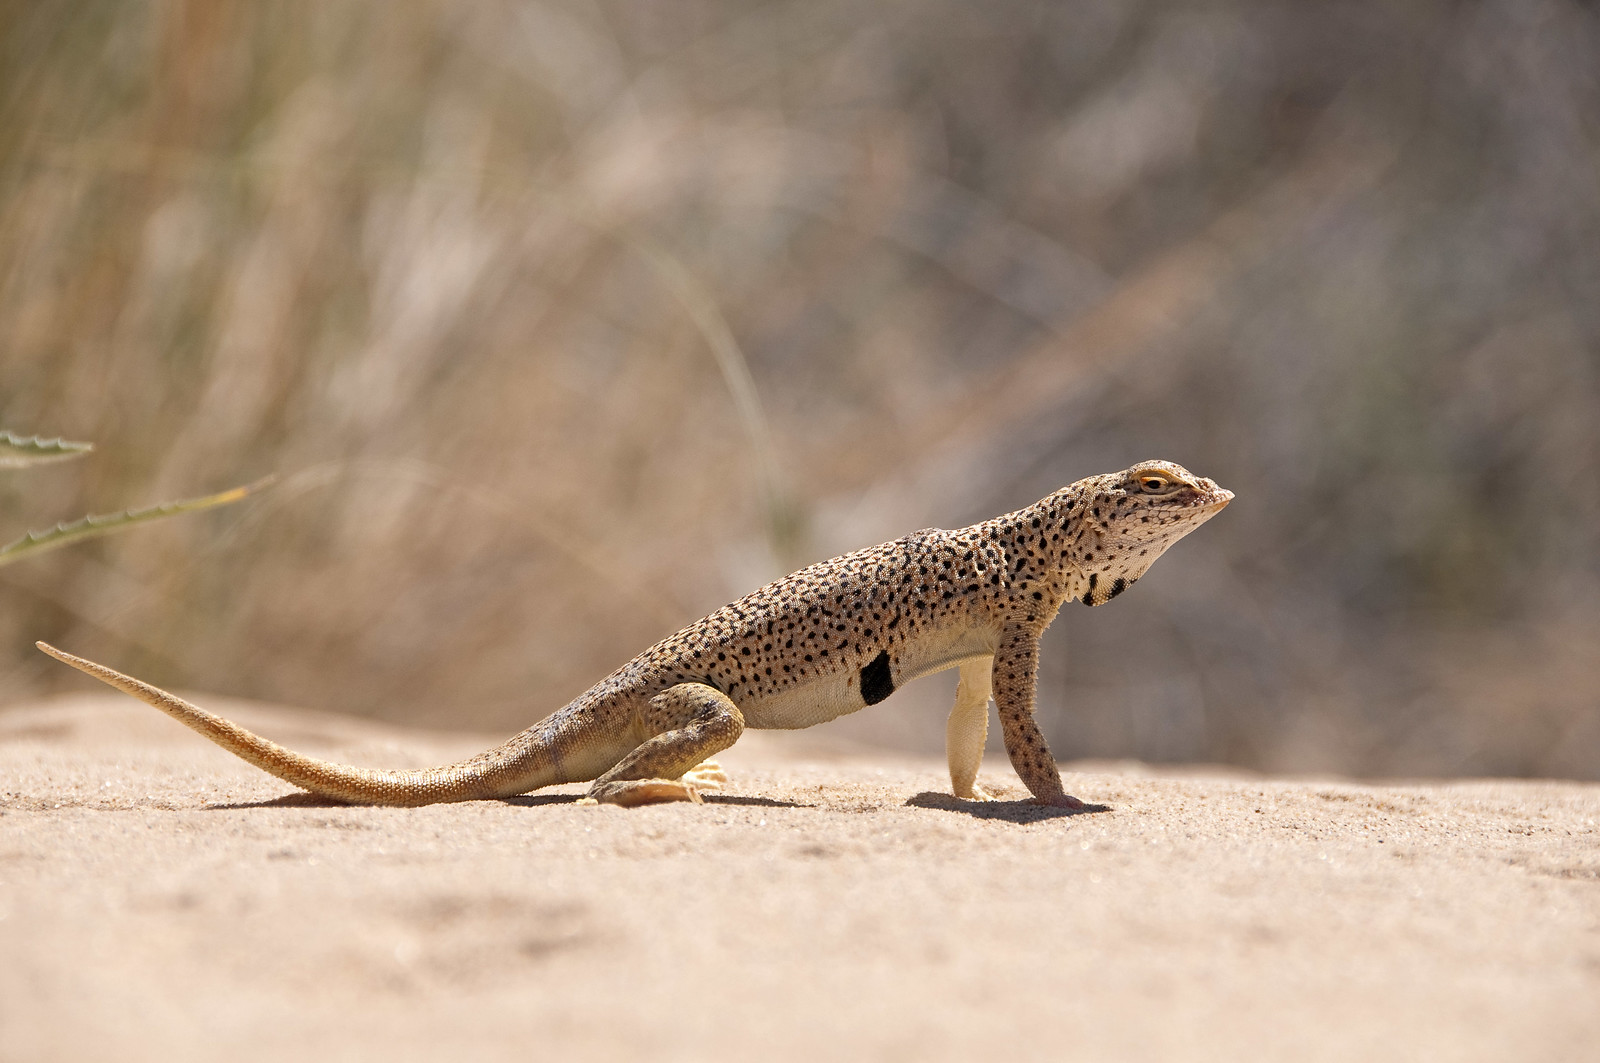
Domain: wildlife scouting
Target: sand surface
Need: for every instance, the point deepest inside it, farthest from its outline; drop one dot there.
(160, 900)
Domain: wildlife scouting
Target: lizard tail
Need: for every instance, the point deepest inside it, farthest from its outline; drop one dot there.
(499, 773)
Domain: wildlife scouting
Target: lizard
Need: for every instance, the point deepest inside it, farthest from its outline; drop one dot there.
(828, 640)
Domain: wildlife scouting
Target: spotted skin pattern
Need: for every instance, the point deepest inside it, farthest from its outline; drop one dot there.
(828, 640)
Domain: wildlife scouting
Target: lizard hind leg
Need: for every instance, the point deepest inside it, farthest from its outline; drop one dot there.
(691, 721)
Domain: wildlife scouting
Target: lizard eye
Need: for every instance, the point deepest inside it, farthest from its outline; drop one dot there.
(1155, 483)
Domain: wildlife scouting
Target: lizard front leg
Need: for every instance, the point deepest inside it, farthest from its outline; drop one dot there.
(968, 727)
(691, 722)
(1016, 668)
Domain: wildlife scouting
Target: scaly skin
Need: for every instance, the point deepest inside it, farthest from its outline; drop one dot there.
(825, 641)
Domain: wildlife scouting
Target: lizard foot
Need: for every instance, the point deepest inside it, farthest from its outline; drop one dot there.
(980, 794)
(707, 775)
(628, 793)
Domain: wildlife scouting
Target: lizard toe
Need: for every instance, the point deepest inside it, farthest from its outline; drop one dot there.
(707, 775)
(629, 793)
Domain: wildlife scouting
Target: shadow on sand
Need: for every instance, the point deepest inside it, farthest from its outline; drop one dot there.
(304, 800)
(760, 802)
(294, 800)
(1011, 811)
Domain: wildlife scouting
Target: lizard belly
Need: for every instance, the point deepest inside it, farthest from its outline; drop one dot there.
(829, 697)
(822, 699)
(927, 656)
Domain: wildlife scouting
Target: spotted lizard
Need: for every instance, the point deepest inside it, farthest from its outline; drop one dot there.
(828, 640)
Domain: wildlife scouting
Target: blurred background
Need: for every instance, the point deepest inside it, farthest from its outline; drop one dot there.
(564, 323)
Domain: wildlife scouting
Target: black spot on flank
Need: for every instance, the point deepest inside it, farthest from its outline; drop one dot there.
(1118, 587)
(876, 682)
(1094, 577)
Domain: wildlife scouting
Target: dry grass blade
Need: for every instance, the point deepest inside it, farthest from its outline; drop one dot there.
(783, 515)
(103, 524)
(17, 452)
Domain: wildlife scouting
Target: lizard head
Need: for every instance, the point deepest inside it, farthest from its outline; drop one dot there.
(1130, 518)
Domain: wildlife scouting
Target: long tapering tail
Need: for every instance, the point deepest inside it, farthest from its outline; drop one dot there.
(511, 769)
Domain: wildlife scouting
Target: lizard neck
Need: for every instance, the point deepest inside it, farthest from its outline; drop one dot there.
(1042, 544)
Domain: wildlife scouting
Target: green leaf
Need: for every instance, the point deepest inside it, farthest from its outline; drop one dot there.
(104, 524)
(17, 451)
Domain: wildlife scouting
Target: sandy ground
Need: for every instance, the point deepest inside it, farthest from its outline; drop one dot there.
(159, 900)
